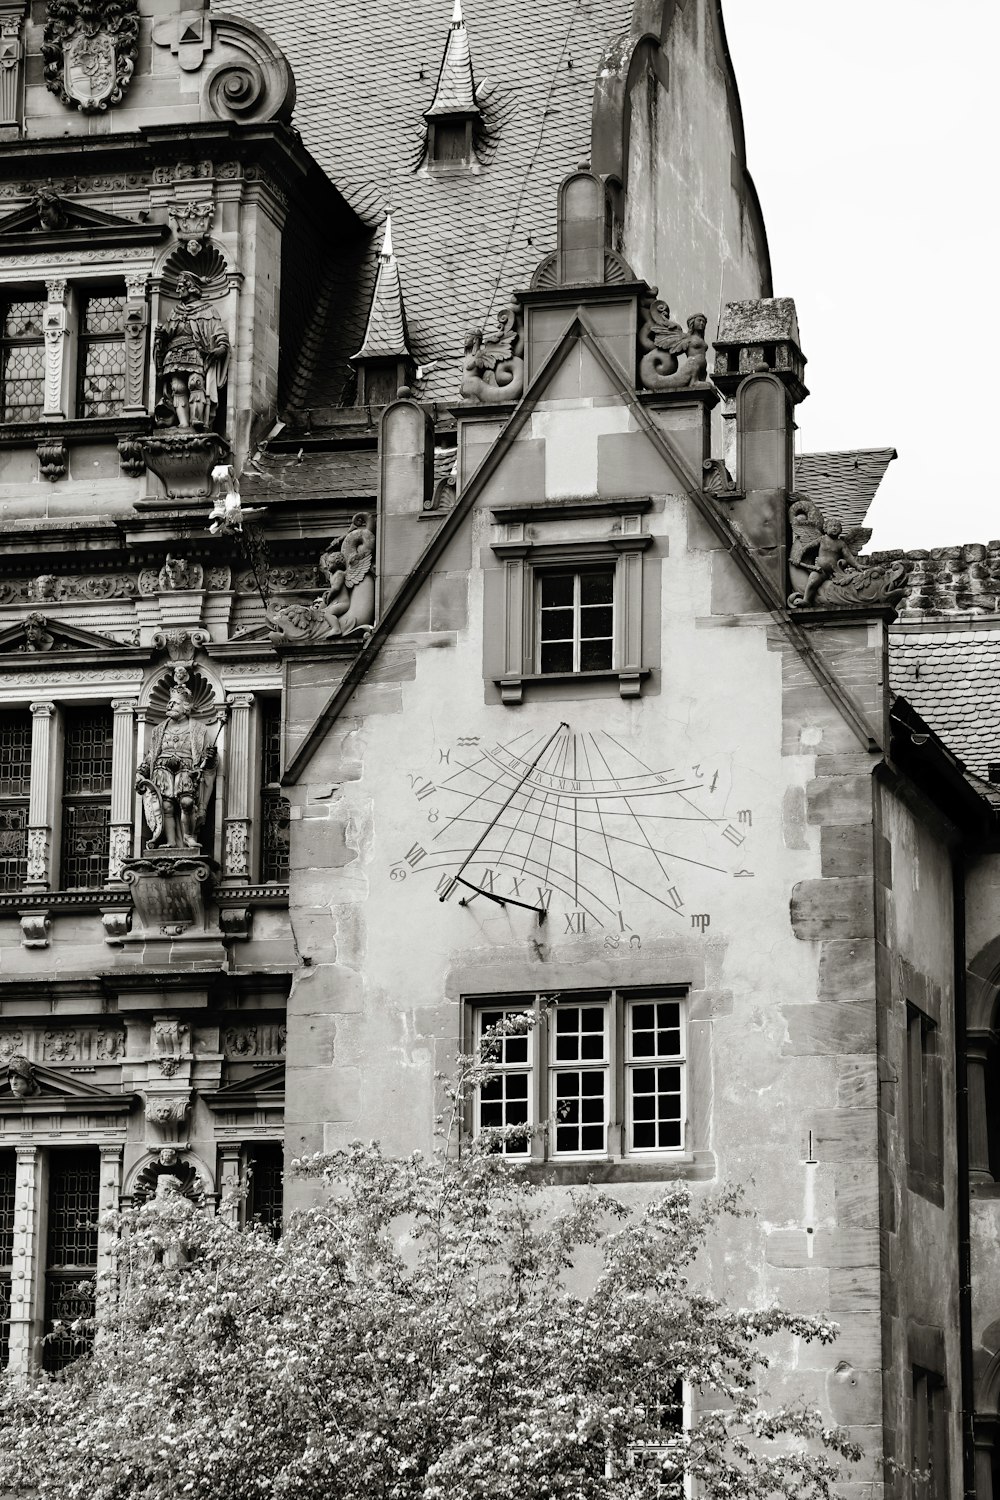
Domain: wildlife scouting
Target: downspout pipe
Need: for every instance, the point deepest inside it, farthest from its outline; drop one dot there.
(962, 1141)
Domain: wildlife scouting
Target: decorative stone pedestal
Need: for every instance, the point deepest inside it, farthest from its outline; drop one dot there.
(183, 460)
(168, 886)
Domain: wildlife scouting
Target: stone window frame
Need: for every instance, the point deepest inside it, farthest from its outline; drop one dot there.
(924, 1104)
(616, 1064)
(63, 291)
(523, 558)
(930, 1412)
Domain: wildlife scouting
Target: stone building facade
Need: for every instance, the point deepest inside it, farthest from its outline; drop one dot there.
(406, 618)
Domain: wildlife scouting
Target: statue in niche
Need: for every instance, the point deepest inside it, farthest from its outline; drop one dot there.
(177, 776)
(347, 604)
(493, 369)
(21, 1077)
(825, 569)
(191, 353)
(662, 340)
(166, 1163)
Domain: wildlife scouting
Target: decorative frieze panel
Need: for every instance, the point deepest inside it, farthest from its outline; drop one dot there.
(263, 1041)
(82, 1045)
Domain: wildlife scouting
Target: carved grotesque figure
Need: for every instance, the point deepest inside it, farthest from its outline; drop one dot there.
(348, 602)
(36, 636)
(177, 777)
(191, 351)
(663, 341)
(824, 566)
(493, 369)
(175, 574)
(51, 214)
(21, 1077)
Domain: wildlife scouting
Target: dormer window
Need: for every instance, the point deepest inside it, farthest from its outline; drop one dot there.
(101, 353)
(454, 111)
(22, 357)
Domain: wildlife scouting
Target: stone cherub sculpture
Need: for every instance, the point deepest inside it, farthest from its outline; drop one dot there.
(493, 370)
(347, 604)
(191, 353)
(825, 568)
(662, 339)
(177, 776)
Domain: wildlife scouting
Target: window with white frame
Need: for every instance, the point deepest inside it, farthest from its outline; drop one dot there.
(575, 622)
(661, 1456)
(602, 1070)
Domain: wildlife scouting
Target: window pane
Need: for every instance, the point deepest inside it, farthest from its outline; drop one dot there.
(15, 754)
(556, 589)
(23, 382)
(265, 1179)
(557, 625)
(23, 320)
(86, 842)
(557, 657)
(13, 846)
(579, 1110)
(87, 751)
(72, 1249)
(103, 313)
(596, 656)
(595, 622)
(597, 588)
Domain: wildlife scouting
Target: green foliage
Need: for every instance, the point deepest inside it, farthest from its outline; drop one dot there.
(436, 1327)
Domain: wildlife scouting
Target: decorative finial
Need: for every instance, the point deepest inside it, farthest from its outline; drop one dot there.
(386, 251)
(457, 18)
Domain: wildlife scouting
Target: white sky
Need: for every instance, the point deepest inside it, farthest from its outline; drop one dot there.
(871, 136)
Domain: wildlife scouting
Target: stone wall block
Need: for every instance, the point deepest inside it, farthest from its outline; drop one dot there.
(843, 1134)
(813, 1030)
(840, 799)
(854, 1395)
(825, 909)
(846, 850)
(854, 1289)
(846, 970)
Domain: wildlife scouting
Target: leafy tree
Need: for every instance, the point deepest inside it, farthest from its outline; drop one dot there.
(438, 1327)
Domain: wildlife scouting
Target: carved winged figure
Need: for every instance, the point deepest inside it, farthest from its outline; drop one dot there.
(347, 604)
(663, 340)
(824, 563)
(493, 369)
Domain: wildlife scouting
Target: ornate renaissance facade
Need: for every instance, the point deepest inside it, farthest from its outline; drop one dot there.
(413, 611)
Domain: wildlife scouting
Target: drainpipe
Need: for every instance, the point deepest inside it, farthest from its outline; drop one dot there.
(964, 1233)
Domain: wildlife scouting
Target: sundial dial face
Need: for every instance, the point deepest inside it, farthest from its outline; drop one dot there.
(572, 823)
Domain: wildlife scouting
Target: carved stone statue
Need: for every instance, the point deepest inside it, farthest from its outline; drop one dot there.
(191, 351)
(663, 340)
(177, 777)
(36, 636)
(45, 586)
(348, 602)
(493, 369)
(51, 213)
(178, 573)
(825, 568)
(21, 1077)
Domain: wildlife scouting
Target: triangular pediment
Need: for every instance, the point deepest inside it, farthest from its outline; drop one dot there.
(53, 1089)
(40, 635)
(263, 1089)
(67, 224)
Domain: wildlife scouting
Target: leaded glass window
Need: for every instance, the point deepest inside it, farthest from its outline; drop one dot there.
(86, 798)
(15, 780)
(22, 358)
(74, 1203)
(274, 807)
(101, 357)
(7, 1165)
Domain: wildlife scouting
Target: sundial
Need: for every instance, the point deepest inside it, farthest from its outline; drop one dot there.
(574, 824)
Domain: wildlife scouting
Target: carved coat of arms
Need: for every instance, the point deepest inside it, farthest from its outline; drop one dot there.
(89, 50)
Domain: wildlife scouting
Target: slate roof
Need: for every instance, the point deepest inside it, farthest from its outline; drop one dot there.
(952, 678)
(365, 76)
(843, 485)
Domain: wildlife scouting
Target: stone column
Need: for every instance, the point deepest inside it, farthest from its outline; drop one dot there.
(27, 1274)
(122, 786)
(979, 1046)
(56, 326)
(109, 1189)
(39, 876)
(984, 1441)
(136, 283)
(236, 847)
(230, 1180)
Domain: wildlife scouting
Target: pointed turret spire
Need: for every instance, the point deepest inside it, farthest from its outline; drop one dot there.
(384, 360)
(456, 87)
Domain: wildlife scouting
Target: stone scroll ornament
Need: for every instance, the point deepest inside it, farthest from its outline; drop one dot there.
(347, 606)
(671, 358)
(824, 567)
(89, 51)
(191, 353)
(177, 777)
(493, 369)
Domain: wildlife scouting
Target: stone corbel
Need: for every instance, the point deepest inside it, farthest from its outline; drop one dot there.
(117, 922)
(235, 921)
(52, 459)
(35, 928)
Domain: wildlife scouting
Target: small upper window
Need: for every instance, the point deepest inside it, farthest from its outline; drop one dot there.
(101, 356)
(274, 807)
(576, 620)
(22, 359)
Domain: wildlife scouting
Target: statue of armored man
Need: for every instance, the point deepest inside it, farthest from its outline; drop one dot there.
(177, 777)
(191, 351)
